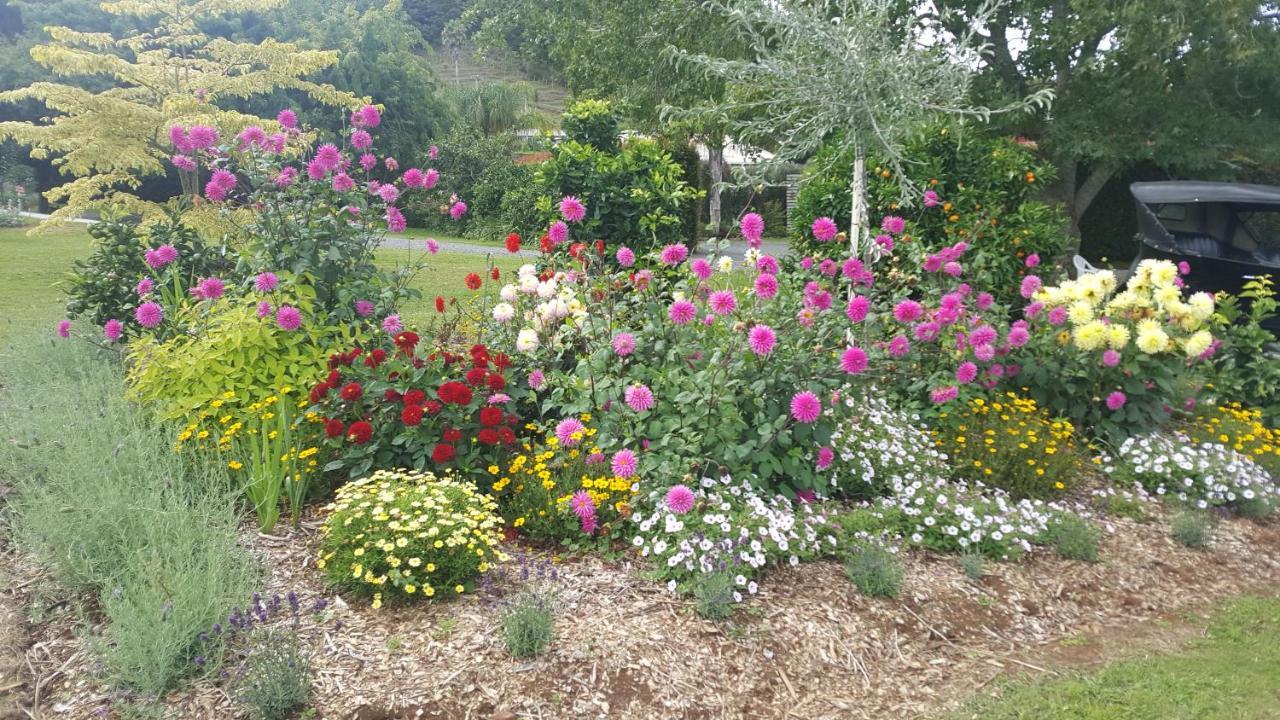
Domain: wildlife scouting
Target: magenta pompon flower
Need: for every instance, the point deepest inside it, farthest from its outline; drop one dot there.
(681, 312)
(265, 282)
(826, 456)
(537, 380)
(572, 209)
(853, 360)
(112, 330)
(907, 311)
(680, 499)
(857, 308)
(1116, 400)
(624, 344)
(762, 340)
(149, 314)
(722, 302)
(701, 269)
(558, 232)
(391, 324)
(805, 407)
(570, 432)
(766, 286)
(264, 309)
(673, 254)
(288, 318)
(625, 257)
(64, 328)
(639, 398)
(824, 229)
(752, 227)
(624, 464)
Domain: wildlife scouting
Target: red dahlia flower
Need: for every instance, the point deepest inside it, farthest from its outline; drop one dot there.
(334, 379)
(490, 416)
(360, 432)
(319, 391)
(406, 341)
(472, 281)
(439, 304)
(433, 407)
(454, 393)
(506, 435)
(451, 435)
(495, 273)
(501, 361)
(375, 358)
(487, 436)
(513, 243)
(545, 243)
(333, 428)
(443, 453)
(411, 415)
(351, 391)
(391, 395)
(476, 376)
(415, 397)
(496, 382)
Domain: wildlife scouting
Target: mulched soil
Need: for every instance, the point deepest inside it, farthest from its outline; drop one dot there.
(808, 647)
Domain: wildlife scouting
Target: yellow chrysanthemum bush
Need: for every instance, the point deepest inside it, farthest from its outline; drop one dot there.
(1011, 443)
(269, 446)
(1239, 428)
(403, 535)
(563, 489)
(1116, 361)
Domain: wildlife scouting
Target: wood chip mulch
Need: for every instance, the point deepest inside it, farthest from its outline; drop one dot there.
(809, 646)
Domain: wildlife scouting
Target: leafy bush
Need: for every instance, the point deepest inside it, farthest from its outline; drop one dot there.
(105, 502)
(876, 571)
(528, 622)
(235, 351)
(592, 122)
(1116, 361)
(276, 676)
(1193, 528)
(1245, 367)
(1012, 444)
(1074, 538)
(987, 194)
(544, 490)
(637, 195)
(1202, 474)
(104, 286)
(410, 534)
(388, 406)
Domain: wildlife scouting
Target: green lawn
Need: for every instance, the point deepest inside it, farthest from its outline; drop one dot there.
(1232, 674)
(30, 267)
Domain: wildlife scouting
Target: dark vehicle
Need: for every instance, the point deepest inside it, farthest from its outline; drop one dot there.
(1228, 232)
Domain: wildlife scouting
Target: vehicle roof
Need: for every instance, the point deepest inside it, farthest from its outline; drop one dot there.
(1194, 191)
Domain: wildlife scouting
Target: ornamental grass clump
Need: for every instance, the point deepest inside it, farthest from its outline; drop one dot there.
(404, 535)
(1074, 538)
(275, 678)
(1010, 443)
(875, 570)
(715, 594)
(1192, 528)
(528, 622)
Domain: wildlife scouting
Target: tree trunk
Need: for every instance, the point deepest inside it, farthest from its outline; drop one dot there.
(858, 209)
(715, 166)
(1089, 190)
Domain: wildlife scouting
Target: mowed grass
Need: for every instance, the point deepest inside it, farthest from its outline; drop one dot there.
(32, 266)
(1231, 674)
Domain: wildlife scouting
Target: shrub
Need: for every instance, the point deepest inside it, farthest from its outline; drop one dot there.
(528, 622)
(637, 195)
(1203, 474)
(1116, 363)
(1074, 538)
(388, 405)
(876, 571)
(235, 351)
(987, 190)
(1011, 443)
(104, 286)
(105, 502)
(592, 122)
(543, 491)
(693, 531)
(409, 534)
(1245, 367)
(1192, 528)
(275, 678)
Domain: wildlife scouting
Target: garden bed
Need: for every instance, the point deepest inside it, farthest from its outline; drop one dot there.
(809, 646)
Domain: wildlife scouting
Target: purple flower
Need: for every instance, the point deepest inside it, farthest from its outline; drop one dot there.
(1033, 260)
(805, 407)
(360, 139)
(701, 269)
(824, 229)
(681, 312)
(853, 360)
(1116, 400)
(567, 429)
(391, 324)
(752, 227)
(1031, 284)
(639, 398)
(149, 314)
(673, 254)
(761, 339)
(907, 311)
(265, 282)
(145, 285)
(722, 302)
(264, 309)
(64, 328)
(572, 209)
(364, 308)
(944, 395)
(769, 264)
(766, 286)
(558, 232)
(625, 257)
(288, 119)
(112, 330)
(1110, 358)
(623, 464)
(930, 198)
(680, 499)
(966, 373)
(826, 456)
(536, 379)
(288, 318)
(624, 344)
(893, 224)
(183, 162)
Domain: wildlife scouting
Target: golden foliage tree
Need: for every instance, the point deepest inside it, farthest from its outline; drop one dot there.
(170, 73)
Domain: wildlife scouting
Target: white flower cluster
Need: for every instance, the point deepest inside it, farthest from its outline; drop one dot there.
(951, 515)
(1173, 465)
(732, 527)
(877, 447)
(541, 304)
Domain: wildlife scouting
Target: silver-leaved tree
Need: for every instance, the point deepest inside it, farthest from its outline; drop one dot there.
(859, 73)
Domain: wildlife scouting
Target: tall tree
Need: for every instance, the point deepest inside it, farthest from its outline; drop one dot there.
(617, 49)
(855, 73)
(163, 71)
(1185, 85)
